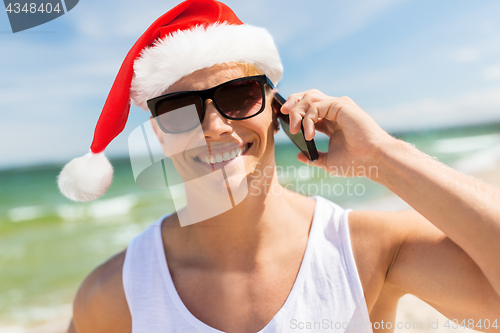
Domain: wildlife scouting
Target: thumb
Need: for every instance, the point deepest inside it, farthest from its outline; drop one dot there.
(320, 162)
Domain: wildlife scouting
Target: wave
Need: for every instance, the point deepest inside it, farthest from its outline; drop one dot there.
(482, 161)
(101, 209)
(465, 144)
(26, 213)
(52, 319)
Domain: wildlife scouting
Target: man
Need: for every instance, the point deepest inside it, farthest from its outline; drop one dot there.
(279, 261)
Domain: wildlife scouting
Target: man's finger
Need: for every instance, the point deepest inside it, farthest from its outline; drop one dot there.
(291, 102)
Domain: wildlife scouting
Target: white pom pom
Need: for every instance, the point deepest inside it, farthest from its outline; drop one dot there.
(86, 178)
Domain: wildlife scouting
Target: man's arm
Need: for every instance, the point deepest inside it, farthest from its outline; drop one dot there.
(100, 304)
(464, 213)
(429, 265)
(404, 253)
(465, 209)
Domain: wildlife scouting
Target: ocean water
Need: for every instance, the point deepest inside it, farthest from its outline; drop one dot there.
(48, 244)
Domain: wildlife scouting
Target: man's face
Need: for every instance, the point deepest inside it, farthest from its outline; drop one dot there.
(238, 146)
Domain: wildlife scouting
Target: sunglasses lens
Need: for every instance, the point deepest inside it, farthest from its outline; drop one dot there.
(178, 114)
(240, 99)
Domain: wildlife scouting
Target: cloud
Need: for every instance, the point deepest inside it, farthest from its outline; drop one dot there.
(357, 82)
(466, 55)
(33, 141)
(441, 112)
(488, 26)
(492, 72)
(105, 21)
(55, 85)
(314, 25)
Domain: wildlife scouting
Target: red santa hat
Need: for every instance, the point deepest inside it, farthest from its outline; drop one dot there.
(196, 34)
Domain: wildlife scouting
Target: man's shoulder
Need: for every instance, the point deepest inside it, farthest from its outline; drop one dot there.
(100, 304)
(382, 232)
(376, 239)
(384, 225)
(105, 280)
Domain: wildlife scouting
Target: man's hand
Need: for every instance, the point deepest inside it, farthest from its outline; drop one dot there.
(354, 136)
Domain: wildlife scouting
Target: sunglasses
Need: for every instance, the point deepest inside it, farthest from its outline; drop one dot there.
(237, 99)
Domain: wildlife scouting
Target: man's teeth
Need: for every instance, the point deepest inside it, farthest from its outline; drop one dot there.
(227, 156)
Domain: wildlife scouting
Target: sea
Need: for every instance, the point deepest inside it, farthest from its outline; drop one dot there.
(49, 244)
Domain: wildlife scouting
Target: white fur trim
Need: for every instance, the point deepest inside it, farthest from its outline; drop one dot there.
(85, 178)
(187, 51)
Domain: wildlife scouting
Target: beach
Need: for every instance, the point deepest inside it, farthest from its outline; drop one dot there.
(413, 315)
(48, 246)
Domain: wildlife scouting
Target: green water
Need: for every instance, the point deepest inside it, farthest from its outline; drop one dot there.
(49, 244)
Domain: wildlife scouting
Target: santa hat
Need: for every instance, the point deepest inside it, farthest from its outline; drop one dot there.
(196, 34)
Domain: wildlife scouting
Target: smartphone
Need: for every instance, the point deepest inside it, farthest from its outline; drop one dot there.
(308, 147)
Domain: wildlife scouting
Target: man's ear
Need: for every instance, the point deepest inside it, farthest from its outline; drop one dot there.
(159, 133)
(276, 123)
(275, 107)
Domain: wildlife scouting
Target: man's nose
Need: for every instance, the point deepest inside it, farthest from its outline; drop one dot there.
(214, 124)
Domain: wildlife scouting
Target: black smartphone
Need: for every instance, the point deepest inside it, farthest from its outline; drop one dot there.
(308, 147)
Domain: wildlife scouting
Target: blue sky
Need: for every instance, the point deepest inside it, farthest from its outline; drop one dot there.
(411, 64)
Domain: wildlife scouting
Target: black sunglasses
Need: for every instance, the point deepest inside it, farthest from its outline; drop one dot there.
(237, 99)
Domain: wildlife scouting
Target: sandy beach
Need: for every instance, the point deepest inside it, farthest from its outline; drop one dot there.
(412, 312)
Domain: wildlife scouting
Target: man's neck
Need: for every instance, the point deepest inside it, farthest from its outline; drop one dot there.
(263, 223)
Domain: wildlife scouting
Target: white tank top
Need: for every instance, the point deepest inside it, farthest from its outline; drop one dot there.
(326, 297)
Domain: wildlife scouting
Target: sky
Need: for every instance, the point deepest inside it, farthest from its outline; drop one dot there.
(411, 64)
